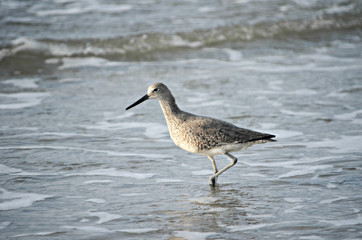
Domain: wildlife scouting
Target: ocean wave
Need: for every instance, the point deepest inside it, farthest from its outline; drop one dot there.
(134, 46)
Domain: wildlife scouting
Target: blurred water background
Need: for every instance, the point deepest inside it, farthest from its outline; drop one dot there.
(75, 165)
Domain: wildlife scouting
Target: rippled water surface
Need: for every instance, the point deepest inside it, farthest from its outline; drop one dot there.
(75, 165)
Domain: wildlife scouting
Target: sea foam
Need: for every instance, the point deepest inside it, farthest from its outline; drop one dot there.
(345, 144)
(104, 216)
(23, 83)
(115, 173)
(23, 100)
(193, 235)
(86, 62)
(14, 200)
(77, 8)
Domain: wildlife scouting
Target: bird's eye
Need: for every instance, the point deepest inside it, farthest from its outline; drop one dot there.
(155, 90)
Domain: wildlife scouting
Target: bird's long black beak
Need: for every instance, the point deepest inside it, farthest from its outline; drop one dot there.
(142, 99)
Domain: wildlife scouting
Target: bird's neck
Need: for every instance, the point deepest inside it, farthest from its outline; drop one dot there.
(170, 109)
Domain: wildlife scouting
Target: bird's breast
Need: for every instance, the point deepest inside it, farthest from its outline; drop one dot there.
(182, 135)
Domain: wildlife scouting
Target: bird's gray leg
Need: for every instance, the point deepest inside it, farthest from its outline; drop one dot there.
(212, 180)
(213, 163)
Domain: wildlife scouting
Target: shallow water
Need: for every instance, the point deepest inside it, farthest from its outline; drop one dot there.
(75, 165)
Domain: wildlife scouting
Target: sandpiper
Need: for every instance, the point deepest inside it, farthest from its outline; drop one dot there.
(202, 135)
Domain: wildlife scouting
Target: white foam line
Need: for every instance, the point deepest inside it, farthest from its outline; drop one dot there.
(281, 133)
(256, 64)
(193, 235)
(306, 170)
(346, 144)
(291, 164)
(247, 227)
(331, 185)
(52, 61)
(293, 209)
(233, 55)
(22, 83)
(357, 121)
(14, 200)
(65, 134)
(7, 128)
(56, 49)
(345, 222)
(178, 41)
(329, 201)
(118, 117)
(299, 113)
(70, 80)
(18, 19)
(294, 200)
(339, 9)
(89, 229)
(26, 100)
(255, 175)
(166, 180)
(86, 62)
(208, 103)
(303, 92)
(37, 234)
(113, 172)
(19, 172)
(110, 153)
(204, 200)
(217, 209)
(202, 172)
(132, 194)
(58, 134)
(98, 181)
(152, 130)
(105, 230)
(327, 58)
(4, 225)
(309, 67)
(96, 200)
(239, 228)
(348, 116)
(81, 9)
(9, 170)
(138, 230)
